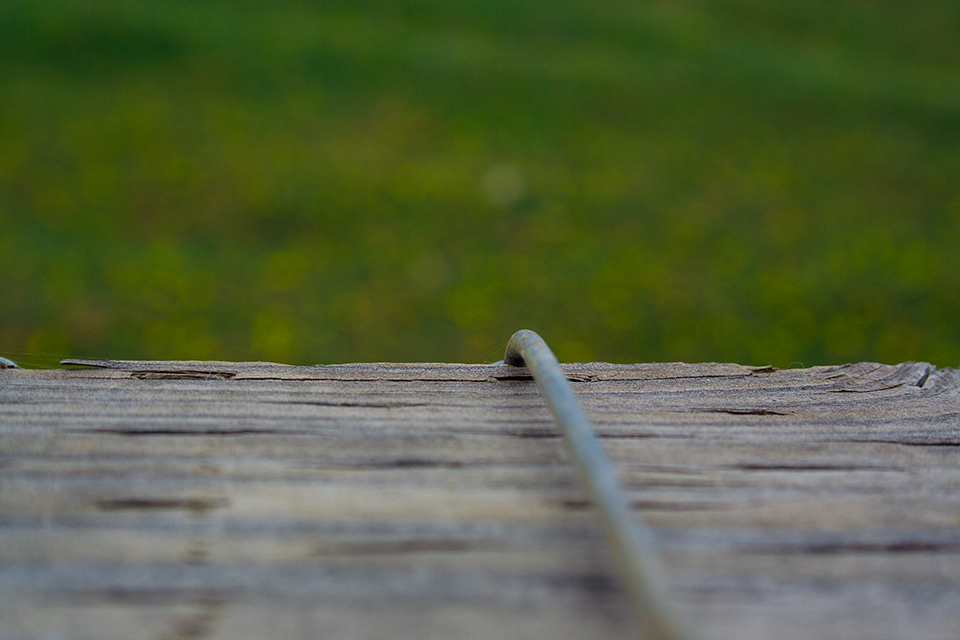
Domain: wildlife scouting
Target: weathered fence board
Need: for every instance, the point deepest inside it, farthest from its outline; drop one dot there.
(392, 501)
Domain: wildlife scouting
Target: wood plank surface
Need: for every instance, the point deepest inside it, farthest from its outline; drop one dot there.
(392, 501)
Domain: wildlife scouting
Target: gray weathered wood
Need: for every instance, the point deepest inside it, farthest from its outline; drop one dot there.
(226, 500)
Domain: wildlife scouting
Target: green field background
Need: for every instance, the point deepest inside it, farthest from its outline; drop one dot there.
(762, 182)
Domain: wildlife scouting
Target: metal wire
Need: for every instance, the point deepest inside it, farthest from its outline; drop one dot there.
(631, 544)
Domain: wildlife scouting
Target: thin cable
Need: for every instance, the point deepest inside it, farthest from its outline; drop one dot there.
(631, 544)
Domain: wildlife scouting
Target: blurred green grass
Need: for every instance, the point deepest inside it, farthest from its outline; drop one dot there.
(763, 182)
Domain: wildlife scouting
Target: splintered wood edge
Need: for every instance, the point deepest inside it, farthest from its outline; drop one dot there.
(860, 377)
(382, 371)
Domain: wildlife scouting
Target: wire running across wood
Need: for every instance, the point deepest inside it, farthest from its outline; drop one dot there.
(632, 548)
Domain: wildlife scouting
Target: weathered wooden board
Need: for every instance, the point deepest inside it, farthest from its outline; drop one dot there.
(390, 501)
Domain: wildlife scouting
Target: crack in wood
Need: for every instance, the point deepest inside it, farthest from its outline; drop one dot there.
(645, 435)
(869, 389)
(909, 443)
(756, 466)
(226, 431)
(532, 434)
(649, 505)
(406, 463)
(194, 505)
(762, 370)
(746, 411)
(183, 375)
(526, 377)
(842, 548)
(364, 405)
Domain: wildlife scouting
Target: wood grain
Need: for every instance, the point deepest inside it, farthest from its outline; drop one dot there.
(393, 501)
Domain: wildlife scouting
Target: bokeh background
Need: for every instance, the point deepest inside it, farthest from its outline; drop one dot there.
(758, 181)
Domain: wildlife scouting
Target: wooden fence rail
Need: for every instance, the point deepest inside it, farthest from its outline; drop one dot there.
(394, 501)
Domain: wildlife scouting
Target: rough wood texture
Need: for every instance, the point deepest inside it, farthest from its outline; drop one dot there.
(388, 501)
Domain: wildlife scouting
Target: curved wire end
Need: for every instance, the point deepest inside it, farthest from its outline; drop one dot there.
(7, 364)
(631, 545)
(518, 342)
